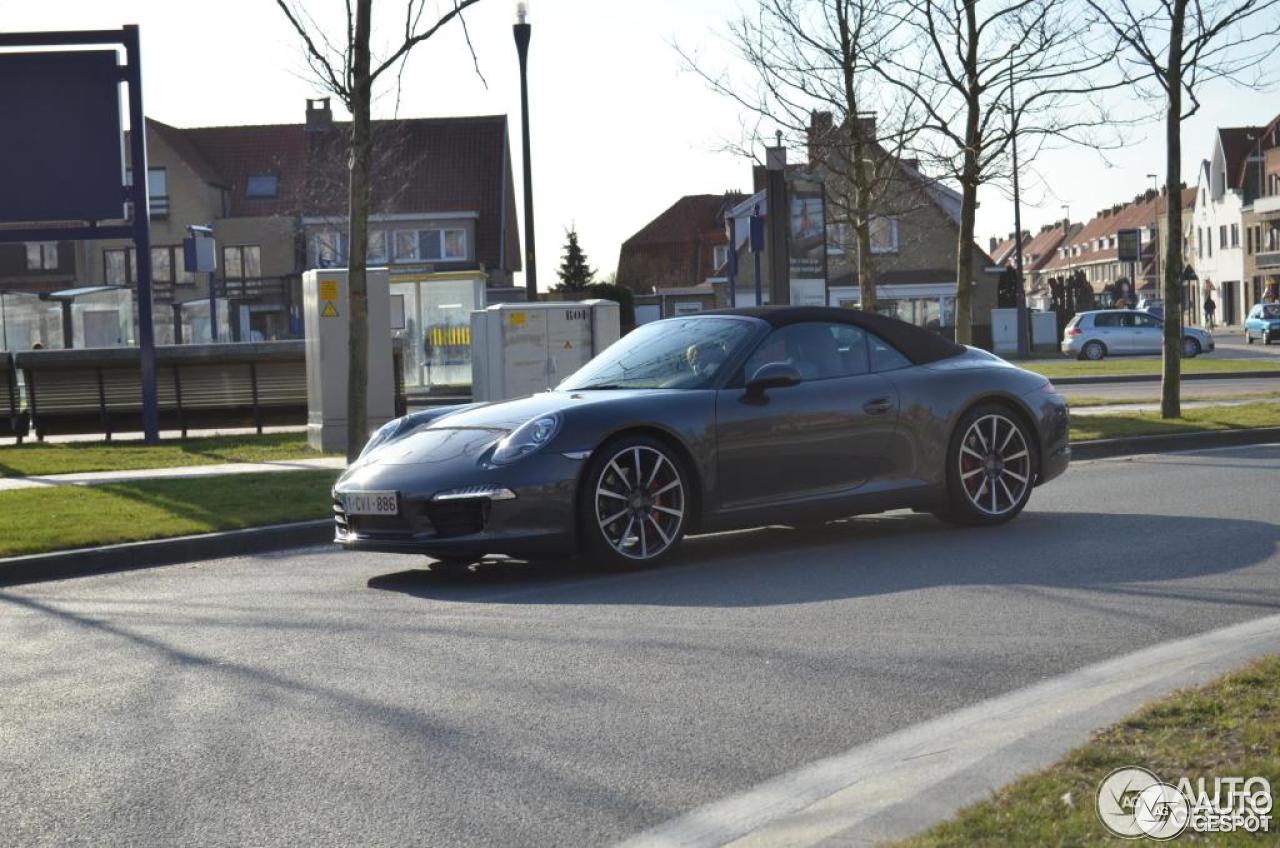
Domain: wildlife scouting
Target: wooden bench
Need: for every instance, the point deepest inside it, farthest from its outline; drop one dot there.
(198, 386)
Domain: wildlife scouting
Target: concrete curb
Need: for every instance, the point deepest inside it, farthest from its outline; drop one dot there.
(1133, 445)
(1154, 378)
(279, 537)
(131, 555)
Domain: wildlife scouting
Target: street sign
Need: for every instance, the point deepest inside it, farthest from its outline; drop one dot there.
(1128, 245)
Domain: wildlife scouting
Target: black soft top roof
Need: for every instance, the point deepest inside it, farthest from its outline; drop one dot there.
(917, 344)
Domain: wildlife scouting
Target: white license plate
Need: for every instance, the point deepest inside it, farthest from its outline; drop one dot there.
(371, 503)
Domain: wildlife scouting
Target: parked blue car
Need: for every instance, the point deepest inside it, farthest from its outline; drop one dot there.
(1263, 323)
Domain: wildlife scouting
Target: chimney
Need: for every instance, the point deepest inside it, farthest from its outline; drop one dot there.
(821, 129)
(319, 115)
(993, 244)
(867, 125)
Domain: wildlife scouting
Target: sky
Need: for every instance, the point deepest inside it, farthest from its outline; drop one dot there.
(620, 129)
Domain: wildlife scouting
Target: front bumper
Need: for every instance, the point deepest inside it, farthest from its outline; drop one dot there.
(1053, 425)
(539, 519)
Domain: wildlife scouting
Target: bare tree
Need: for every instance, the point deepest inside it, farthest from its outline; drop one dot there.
(1177, 46)
(985, 73)
(810, 61)
(349, 72)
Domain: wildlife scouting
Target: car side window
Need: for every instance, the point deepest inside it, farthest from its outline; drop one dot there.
(1146, 321)
(818, 350)
(1106, 319)
(884, 356)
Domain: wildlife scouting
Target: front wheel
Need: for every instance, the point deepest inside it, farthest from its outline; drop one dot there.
(1190, 348)
(1248, 339)
(990, 468)
(636, 504)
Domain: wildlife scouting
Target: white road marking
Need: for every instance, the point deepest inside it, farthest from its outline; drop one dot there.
(992, 742)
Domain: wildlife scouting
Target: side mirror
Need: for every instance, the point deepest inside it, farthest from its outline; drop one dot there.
(773, 375)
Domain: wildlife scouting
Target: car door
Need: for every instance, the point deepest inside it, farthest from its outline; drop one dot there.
(824, 436)
(1106, 328)
(1146, 333)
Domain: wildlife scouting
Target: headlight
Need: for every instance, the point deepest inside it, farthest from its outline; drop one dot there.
(525, 439)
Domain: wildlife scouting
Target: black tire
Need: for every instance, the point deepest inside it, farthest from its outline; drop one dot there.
(1093, 351)
(1190, 347)
(972, 467)
(1248, 339)
(650, 509)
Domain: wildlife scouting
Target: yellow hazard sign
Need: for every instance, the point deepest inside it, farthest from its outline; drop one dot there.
(329, 290)
(517, 319)
(329, 310)
(568, 345)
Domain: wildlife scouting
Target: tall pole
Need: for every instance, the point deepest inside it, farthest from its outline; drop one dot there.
(522, 32)
(142, 234)
(1020, 293)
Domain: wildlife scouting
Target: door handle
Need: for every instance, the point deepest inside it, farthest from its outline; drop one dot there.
(879, 406)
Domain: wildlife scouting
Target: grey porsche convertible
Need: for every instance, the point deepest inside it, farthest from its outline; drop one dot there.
(714, 421)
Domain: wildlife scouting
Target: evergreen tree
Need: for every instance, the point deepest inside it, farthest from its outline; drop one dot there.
(574, 271)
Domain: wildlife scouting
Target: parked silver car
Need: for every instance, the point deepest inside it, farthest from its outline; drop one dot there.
(1115, 332)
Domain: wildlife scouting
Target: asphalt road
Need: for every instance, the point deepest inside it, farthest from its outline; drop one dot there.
(320, 697)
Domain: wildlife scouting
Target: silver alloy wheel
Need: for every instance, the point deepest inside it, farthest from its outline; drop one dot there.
(1094, 351)
(1190, 347)
(640, 502)
(995, 464)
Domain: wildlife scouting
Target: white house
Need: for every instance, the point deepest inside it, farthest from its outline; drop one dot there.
(1219, 242)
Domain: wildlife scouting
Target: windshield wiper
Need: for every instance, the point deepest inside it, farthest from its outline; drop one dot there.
(593, 386)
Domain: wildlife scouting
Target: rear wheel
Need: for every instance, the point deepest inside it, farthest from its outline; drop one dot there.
(635, 507)
(990, 468)
(1093, 351)
(1190, 347)
(1248, 339)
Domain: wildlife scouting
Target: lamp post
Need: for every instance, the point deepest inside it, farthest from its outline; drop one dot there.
(522, 32)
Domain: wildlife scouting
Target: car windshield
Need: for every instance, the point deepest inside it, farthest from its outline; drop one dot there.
(1271, 310)
(679, 353)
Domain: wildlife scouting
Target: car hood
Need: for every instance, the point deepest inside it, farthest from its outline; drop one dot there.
(471, 430)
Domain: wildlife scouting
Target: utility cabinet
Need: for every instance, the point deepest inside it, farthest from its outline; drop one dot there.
(519, 349)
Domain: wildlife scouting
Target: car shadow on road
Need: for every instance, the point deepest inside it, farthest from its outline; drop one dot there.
(884, 554)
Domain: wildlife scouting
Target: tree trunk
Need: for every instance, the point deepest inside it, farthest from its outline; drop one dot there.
(358, 229)
(968, 183)
(1171, 380)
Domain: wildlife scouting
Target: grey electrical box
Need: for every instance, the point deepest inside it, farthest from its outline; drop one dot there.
(327, 314)
(518, 349)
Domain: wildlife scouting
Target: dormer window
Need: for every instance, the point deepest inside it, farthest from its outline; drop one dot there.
(261, 186)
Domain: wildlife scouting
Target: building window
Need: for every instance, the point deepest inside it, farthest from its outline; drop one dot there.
(42, 256)
(157, 189)
(839, 238)
(1235, 235)
(446, 245)
(719, 256)
(328, 249)
(261, 186)
(884, 235)
(162, 265)
(405, 247)
(377, 252)
(117, 267)
(242, 262)
(1222, 236)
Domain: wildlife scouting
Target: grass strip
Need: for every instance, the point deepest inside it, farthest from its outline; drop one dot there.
(39, 520)
(1230, 727)
(1099, 400)
(34, 459)
(1242, 417)
(1117, 366)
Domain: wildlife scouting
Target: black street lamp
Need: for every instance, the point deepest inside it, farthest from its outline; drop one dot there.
(522, 32)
